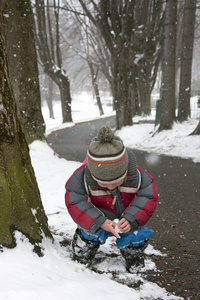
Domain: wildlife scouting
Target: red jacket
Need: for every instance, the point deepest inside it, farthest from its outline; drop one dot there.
(90, 205)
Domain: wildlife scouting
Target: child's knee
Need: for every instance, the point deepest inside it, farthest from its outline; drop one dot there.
(101, 235)
(134, 238)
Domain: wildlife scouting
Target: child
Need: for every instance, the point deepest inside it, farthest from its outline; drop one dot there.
(110, 186)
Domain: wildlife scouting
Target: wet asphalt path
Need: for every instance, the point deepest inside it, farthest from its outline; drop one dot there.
(176, 221)
(72, 143)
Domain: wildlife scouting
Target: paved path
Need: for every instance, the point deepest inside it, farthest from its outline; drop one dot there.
(176, 221)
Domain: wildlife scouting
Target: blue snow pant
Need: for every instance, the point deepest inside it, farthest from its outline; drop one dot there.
(135, 238)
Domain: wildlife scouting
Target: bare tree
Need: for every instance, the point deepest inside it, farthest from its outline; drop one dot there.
(20, 206)
(122, 25)
(147, 40)
(23, 68)
(186, 60)
(48, 41)
(168, 67)
(84, 47)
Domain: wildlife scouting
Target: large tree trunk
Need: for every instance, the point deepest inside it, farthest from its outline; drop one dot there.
(133, 92)
(186, 60)
(20, 204)
(168, 67)
(23, 68)
(144, 93)
(122, 97)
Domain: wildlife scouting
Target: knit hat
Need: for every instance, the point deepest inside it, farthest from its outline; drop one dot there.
(107, 158)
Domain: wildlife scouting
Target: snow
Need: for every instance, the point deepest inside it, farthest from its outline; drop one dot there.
(24, 275)
(175, 142)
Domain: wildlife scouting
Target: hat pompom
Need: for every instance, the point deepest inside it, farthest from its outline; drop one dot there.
(105, 135)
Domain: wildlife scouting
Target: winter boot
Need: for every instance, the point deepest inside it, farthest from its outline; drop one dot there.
(83, 250)
(134, 257)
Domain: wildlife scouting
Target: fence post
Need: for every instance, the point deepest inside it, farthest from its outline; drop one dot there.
(158, 112)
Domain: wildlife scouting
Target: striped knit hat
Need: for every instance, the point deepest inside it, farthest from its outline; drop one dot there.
(107, 158)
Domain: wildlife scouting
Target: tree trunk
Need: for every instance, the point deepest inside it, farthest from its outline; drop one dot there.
(98, 98)
(23, 68)
(20, 206)
(65, 97)
(133, 91)
(168, 67)
(144, 93)
(95, 86)
(62, 81)
(122, 97)
(186, 60)
(49, 96)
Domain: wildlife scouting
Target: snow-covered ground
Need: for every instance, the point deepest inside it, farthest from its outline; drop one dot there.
(23, 275)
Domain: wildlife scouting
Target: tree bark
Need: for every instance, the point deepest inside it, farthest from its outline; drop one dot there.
(23, 69)
(65, 96)
(21, 208)
(49, 96)
(186, 60)
(168, 67)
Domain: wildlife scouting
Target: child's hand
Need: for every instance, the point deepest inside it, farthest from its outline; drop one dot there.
(124, 225)
(109, 226)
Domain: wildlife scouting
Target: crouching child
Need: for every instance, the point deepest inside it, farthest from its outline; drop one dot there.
(110, 195)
